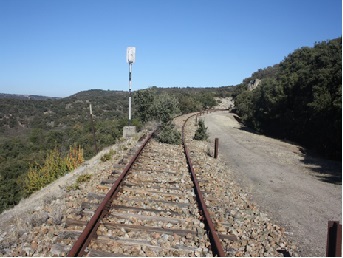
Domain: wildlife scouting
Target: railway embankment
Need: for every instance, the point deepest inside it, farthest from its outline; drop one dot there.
(37, 226)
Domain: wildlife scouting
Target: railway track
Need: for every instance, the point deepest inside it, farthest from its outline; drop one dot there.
(151, 210)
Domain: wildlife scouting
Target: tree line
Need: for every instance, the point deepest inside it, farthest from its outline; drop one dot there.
(31, 131)
(299, 99)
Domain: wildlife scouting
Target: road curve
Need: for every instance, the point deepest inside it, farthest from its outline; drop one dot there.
(291, 187)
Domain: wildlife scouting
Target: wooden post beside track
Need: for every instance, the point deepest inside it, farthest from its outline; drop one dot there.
(334, 239)
(216, 145)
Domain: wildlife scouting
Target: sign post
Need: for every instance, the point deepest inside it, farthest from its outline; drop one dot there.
(130, 58)
(129, 131)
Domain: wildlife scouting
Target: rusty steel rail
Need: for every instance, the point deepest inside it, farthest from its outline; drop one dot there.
(84, 239)
(92, 226)
(216, 245)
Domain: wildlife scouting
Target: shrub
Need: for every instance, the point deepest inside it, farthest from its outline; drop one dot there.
(54, 167)
(108, 156)
(201, 132)
(74, 157)
(73, 187)
(84, 178)
(169, 134)
(105, 157)
(81, 179)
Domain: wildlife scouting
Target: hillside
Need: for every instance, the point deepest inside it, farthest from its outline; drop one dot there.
(19, 223)
(54, 121)
(31, 128)
(299, 99)
(27, 97)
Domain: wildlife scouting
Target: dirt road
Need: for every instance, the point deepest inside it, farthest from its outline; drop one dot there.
(299, 192)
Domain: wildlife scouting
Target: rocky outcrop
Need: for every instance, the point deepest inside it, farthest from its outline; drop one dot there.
(253, 84)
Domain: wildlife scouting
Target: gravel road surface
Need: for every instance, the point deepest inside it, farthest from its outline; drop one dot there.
(298, 191)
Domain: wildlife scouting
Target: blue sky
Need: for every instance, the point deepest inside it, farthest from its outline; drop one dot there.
(60, 47)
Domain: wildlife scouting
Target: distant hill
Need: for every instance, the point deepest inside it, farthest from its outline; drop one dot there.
(31, 126)
(97, 93)
(27, 97)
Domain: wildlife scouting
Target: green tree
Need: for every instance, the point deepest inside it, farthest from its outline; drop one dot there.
(165, 107)
(169, 134)
(301, 99)
(143, 100)
(201, 132)
(207, 100)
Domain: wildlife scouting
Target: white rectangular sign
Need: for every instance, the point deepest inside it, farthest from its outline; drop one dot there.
(131, 55)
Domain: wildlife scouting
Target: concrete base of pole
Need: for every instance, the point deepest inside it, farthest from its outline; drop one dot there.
(129, 131)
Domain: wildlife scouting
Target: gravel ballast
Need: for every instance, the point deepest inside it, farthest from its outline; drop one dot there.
(298, 191)
(36, 227)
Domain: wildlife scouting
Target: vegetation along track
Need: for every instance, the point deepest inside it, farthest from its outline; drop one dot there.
(152, 210)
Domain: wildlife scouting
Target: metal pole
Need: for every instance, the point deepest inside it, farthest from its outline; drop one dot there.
(130, 70)
(93, 128)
